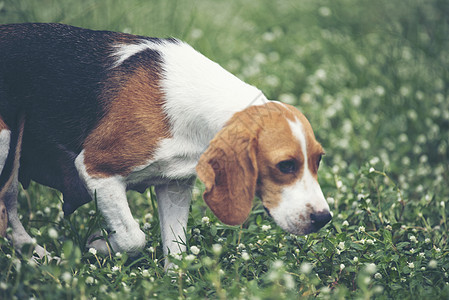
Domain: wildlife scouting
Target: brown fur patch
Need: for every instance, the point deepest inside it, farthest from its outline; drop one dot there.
(129, 133)
(3, 125)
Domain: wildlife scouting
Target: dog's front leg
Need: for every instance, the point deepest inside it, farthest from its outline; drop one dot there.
(110, 193)
(173, 207)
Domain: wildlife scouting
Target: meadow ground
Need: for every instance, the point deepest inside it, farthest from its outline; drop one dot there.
(371, 76)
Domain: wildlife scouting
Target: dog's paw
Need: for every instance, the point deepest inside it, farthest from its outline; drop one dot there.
(97, 242)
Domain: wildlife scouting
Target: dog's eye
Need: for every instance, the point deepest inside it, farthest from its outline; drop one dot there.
(287, 166)
(318, 161)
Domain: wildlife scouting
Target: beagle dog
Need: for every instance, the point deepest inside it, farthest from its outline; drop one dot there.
(97, 113)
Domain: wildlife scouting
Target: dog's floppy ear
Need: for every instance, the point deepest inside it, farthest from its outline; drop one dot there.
(228, 168)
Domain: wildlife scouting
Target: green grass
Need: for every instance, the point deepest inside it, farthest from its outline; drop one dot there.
(371, 76)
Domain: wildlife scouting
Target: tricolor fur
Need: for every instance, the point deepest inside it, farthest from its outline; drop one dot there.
(98, 113)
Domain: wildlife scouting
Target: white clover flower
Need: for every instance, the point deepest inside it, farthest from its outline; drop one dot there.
(342, 266)
(345, 223)
(266, 227)
(118, 254)
(216, 248)
(427, 241)
(205, 220)
(422, 254)
(388, 227)
(53, 233)
(195, 250)
(379, 90)
(438, 250)
(3, 285)
(196, 33)
(325, 11)
(241, 246)
(412, 251)
(341, 245)
(151, 249)
(89, 280)
(93, 267)
(93, 251)
(174, 255)
(378, 276)
(278, 264)
(115, 269)
(433, 264)
(289, 282)
(245, 256)
(330, 200)
(126, 288)
(145, 273)
(411, 265)
(370, 268)
(361, 229)
(306, 268)
(355, 259)
(413, 239)
(190, 257)
(66, 276)
(287, 98)
(325, 290)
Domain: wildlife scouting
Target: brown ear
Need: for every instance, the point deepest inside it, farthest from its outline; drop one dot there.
(228, 169)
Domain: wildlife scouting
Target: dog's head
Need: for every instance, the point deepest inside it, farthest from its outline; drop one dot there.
(269, 151)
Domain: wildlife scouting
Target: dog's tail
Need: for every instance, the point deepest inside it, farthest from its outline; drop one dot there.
(12, 162)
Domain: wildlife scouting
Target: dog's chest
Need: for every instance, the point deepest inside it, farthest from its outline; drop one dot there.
(175, 159)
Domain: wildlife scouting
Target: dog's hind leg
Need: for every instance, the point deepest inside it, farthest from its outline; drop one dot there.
(10, 146)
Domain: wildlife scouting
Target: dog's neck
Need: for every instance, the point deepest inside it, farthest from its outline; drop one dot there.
(201, 96)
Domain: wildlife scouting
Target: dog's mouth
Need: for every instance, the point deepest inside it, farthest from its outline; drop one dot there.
(296, 226)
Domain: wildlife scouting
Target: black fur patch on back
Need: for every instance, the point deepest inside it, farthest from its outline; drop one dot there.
(60, 77)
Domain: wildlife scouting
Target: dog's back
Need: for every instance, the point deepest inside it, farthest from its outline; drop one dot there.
(59, 78)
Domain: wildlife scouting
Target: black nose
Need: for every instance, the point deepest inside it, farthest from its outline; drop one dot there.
(320, 219)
